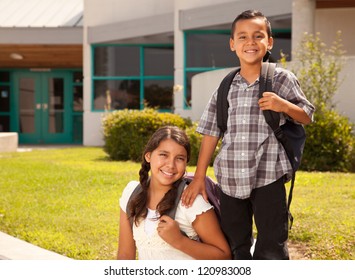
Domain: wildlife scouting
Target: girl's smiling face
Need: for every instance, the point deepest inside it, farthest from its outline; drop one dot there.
(167, 162)
(250, 40)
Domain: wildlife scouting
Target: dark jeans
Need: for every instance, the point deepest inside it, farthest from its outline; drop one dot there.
(268, 205)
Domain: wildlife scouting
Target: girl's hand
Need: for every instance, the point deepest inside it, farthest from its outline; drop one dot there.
(168, 229)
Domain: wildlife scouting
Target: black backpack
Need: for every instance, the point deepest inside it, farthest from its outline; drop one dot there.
(292, 136)
(212, 189)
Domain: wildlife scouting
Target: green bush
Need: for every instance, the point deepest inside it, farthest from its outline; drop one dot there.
(330, 143)
(195, 141)
(127, 131)
(352, 161)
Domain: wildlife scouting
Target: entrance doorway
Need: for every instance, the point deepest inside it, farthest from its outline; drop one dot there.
(43, 111)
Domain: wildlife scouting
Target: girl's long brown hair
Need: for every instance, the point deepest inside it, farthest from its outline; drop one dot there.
(137, 208)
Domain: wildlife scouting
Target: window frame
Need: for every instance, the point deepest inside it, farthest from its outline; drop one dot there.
(186, 69)
(8, 84)
(141, 77)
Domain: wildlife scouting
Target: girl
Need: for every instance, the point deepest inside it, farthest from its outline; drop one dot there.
(154, 234)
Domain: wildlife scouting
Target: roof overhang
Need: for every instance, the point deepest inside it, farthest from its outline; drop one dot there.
(124, 30)
(41, 35)
(225, 13)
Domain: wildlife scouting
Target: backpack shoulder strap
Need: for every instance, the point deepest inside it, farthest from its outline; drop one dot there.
(135, 192)
(273, 120)
(180, 185)
(272, 117)
(266, 84)
(222, 101)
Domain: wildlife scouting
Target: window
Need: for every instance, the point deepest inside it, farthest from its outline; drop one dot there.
(282, 42)
(78, 107)
(130, 76)
(117, 94)
(117, 61)
(209, 50)
(158, 93)
(5, 98)
(5, 95)
(205, 50)
(158, 61)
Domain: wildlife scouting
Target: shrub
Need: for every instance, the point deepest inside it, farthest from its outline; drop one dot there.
(317, 67)
(127, 131)
(330, 143)
(195, 141)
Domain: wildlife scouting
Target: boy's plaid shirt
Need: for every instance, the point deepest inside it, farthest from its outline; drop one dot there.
(250, 156)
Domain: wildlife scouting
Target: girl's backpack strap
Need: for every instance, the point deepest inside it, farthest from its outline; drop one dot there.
(135, 192)
(180, 185)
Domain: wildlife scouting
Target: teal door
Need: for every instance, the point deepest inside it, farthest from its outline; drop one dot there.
(42, 106)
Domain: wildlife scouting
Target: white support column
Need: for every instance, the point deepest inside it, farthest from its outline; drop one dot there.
(178, 66)
(303, 20)
(179, 98)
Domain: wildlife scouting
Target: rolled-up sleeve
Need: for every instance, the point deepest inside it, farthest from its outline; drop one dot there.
(288, 87)
(208, 122)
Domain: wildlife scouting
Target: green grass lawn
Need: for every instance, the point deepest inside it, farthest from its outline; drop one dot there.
(66, 200)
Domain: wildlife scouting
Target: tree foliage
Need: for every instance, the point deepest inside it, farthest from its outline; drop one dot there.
(330, 139)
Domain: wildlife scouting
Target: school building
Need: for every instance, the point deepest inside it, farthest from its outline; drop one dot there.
(64, 64)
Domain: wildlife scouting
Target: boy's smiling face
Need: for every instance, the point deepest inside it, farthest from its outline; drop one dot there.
(250, 40)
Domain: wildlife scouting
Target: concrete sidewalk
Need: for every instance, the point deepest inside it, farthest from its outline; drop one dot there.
(12, 248)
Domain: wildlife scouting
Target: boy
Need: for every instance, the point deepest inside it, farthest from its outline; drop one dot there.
(251, 166)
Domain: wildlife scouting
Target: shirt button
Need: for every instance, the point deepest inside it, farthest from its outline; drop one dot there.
(245, 104)
(243, 137)
(243, 154)
(243, 170)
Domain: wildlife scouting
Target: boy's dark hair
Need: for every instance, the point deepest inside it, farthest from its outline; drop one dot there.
(250, 14)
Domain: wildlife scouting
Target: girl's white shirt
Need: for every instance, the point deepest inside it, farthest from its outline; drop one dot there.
(149, 244)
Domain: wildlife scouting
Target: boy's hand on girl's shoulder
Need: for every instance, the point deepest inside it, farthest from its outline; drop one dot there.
(192, 190)
(271, 101)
